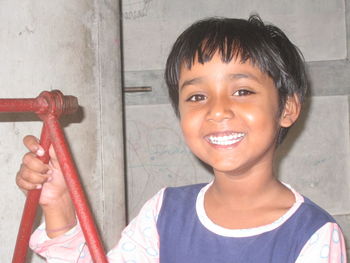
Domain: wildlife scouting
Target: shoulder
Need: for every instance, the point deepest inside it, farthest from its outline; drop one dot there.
(179, 202)
(168, 196)
(308, 218)
(311, 212)
(307, 222)
(184, 190)
(182, 196)
(307, 210)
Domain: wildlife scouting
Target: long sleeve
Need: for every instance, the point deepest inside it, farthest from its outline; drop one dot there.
(139, 240)
(67, 248)
(326, 245)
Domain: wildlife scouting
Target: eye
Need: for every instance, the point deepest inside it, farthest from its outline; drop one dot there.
(243, 92)
(196, 97)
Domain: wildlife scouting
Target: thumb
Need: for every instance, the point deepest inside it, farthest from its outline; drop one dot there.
(53, 158)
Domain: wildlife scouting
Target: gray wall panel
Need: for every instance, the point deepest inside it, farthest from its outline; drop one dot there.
(317, 27)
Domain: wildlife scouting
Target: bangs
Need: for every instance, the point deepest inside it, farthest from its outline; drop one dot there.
(204, 50)
(232, 41)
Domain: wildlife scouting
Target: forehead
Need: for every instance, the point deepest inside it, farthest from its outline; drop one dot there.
(216, 67)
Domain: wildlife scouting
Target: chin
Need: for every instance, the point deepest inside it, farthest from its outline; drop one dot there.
(225, 168)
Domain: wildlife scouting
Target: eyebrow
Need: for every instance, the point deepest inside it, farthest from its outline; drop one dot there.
(243, 76)
(229, 76)
(191, 82)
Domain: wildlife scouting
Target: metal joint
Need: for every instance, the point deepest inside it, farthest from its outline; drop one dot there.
(56, 104)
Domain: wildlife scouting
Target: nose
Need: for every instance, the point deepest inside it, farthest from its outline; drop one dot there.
(220, 109)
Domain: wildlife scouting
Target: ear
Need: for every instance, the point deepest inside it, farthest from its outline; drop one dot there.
(291, 111)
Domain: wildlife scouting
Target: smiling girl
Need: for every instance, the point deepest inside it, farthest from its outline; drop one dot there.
(237, 86)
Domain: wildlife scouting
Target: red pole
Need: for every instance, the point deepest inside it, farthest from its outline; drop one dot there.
(30, 207)
(49, 106)
(76, 191)
(23, 105)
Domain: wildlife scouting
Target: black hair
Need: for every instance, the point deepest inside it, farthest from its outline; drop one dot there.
(266, 47)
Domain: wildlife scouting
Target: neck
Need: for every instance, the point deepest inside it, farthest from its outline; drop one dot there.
(250, 189)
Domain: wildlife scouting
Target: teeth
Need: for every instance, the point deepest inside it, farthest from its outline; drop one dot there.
(226, 140)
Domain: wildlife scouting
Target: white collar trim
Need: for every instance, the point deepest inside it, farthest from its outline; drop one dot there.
(211, 226)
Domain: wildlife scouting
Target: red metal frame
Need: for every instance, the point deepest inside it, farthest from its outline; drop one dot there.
(49, 106)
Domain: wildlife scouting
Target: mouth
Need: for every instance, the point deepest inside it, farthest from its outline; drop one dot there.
(226, 139)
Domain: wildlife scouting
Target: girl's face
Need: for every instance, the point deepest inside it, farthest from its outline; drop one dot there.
(229, 115)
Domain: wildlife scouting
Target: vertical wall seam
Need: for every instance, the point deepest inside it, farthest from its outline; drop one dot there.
(100, 99)
(347, 29)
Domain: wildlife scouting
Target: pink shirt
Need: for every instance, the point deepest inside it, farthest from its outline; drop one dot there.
(140, 242)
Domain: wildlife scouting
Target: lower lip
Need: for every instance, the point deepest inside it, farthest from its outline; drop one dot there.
(228, 147)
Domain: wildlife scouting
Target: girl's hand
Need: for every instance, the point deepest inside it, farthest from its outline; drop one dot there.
(34, 174)
(55, 200)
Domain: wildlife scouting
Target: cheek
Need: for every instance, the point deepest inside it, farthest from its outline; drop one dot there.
(260, 117)
(191, 124)
(187, 122)
(251, 113)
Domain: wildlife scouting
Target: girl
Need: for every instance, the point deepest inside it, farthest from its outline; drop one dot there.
(237, 87)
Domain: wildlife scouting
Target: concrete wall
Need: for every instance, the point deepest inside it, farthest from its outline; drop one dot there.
(66, 45)
(315, 159)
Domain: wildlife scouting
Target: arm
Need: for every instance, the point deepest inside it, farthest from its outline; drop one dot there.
(139, 241)
(59, 240)
(69, 247)
(326, 245)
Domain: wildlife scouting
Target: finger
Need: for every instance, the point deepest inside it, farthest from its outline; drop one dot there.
(32, 162)
(25, 185)
(31, 176)
(32, 143)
